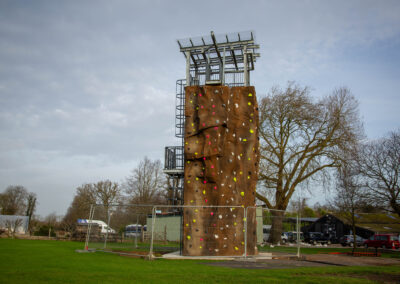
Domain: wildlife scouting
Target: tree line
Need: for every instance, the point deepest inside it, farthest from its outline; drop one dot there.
(304, 140)
(145, 185)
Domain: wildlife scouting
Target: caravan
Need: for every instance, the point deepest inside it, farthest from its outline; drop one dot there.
(102, 225)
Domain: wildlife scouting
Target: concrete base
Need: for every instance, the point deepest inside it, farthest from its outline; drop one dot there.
(85, 251)
(176, 255)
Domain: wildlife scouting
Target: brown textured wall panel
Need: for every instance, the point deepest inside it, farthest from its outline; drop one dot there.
(221, 164)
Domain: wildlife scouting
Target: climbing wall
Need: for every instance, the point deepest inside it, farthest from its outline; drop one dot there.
(221, 164)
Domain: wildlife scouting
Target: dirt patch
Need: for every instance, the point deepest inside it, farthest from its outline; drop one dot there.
(317, 260)
(268, 264)
(379, 278)
(345, 260)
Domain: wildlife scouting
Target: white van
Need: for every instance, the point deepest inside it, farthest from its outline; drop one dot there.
(266, 232)
(103, 226)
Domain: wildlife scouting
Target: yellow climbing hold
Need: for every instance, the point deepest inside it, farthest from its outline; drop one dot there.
(244, 219)
(242, 243)
(234, 179)
(188, 181)
(234, 224)
(188, 237)
(249, 103)
(188, 162)
(251, 131)
(187, 225)
(192, 124)
(251, 120)
(200, 247)
(204, 192)
(248, 177)
(191, 201)
(236, 248)
(249, 159)
(195, 153)
(195, 210)
(244, 140)
(241, 173)
(197, 178)
(194, 220)
(242, 193)
(250, 94)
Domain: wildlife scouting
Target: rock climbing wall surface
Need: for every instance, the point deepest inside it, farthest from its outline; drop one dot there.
(221, 164)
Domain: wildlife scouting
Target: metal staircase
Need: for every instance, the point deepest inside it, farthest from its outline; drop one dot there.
(174, 155)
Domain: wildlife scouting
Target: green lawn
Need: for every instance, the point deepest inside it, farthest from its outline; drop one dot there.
(314, 250)
(30, 261)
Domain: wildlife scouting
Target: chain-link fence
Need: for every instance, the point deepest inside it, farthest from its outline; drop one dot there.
(156, 231)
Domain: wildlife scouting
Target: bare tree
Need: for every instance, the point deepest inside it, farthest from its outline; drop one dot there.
(14, 200)
(146, 184)
(12, 226)
(51, 222)
(102, 192)
(379, 163)
(106, 193)
(80, 206)
(349, 194)
(30, 208)
(299, 140)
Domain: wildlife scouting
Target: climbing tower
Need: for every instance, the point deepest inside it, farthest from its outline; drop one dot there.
(217, 118)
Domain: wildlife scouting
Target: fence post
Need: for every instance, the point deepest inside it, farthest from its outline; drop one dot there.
(89, 227)
(136, 233)
(153, 219)
(108, 228)
(298, 234)
(245, 232)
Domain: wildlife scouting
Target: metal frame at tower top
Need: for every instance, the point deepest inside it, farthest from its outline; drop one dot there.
(225, 59)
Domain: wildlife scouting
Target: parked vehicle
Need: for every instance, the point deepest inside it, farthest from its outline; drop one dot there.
(134, 230)
(284, 238)
(383, 241)
(316, 238)
(103, 226)
(266, 232)
(348, 240)
(292, 237)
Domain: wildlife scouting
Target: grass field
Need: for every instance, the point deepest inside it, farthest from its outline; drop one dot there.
(35, 261)
(313, 250)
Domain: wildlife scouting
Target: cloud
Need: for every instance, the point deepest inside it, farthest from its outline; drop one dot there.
(87, 89)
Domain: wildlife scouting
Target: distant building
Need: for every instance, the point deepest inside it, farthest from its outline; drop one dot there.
(17, 224)
(366, 225)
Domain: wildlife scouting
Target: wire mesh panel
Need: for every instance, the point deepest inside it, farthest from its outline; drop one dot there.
(278, 232)
(120, 229)
(157, 231)
(199, 231)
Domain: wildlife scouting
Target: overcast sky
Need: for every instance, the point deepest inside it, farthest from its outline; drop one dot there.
(87, 88)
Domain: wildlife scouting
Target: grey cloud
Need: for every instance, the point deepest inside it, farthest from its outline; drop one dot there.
(87, 88)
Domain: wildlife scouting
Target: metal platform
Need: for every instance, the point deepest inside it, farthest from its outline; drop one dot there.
(227, 58)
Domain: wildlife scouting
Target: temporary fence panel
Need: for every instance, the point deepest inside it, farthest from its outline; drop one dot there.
(277, 231)
(121, 229)
(211, 231)
(206, 231)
